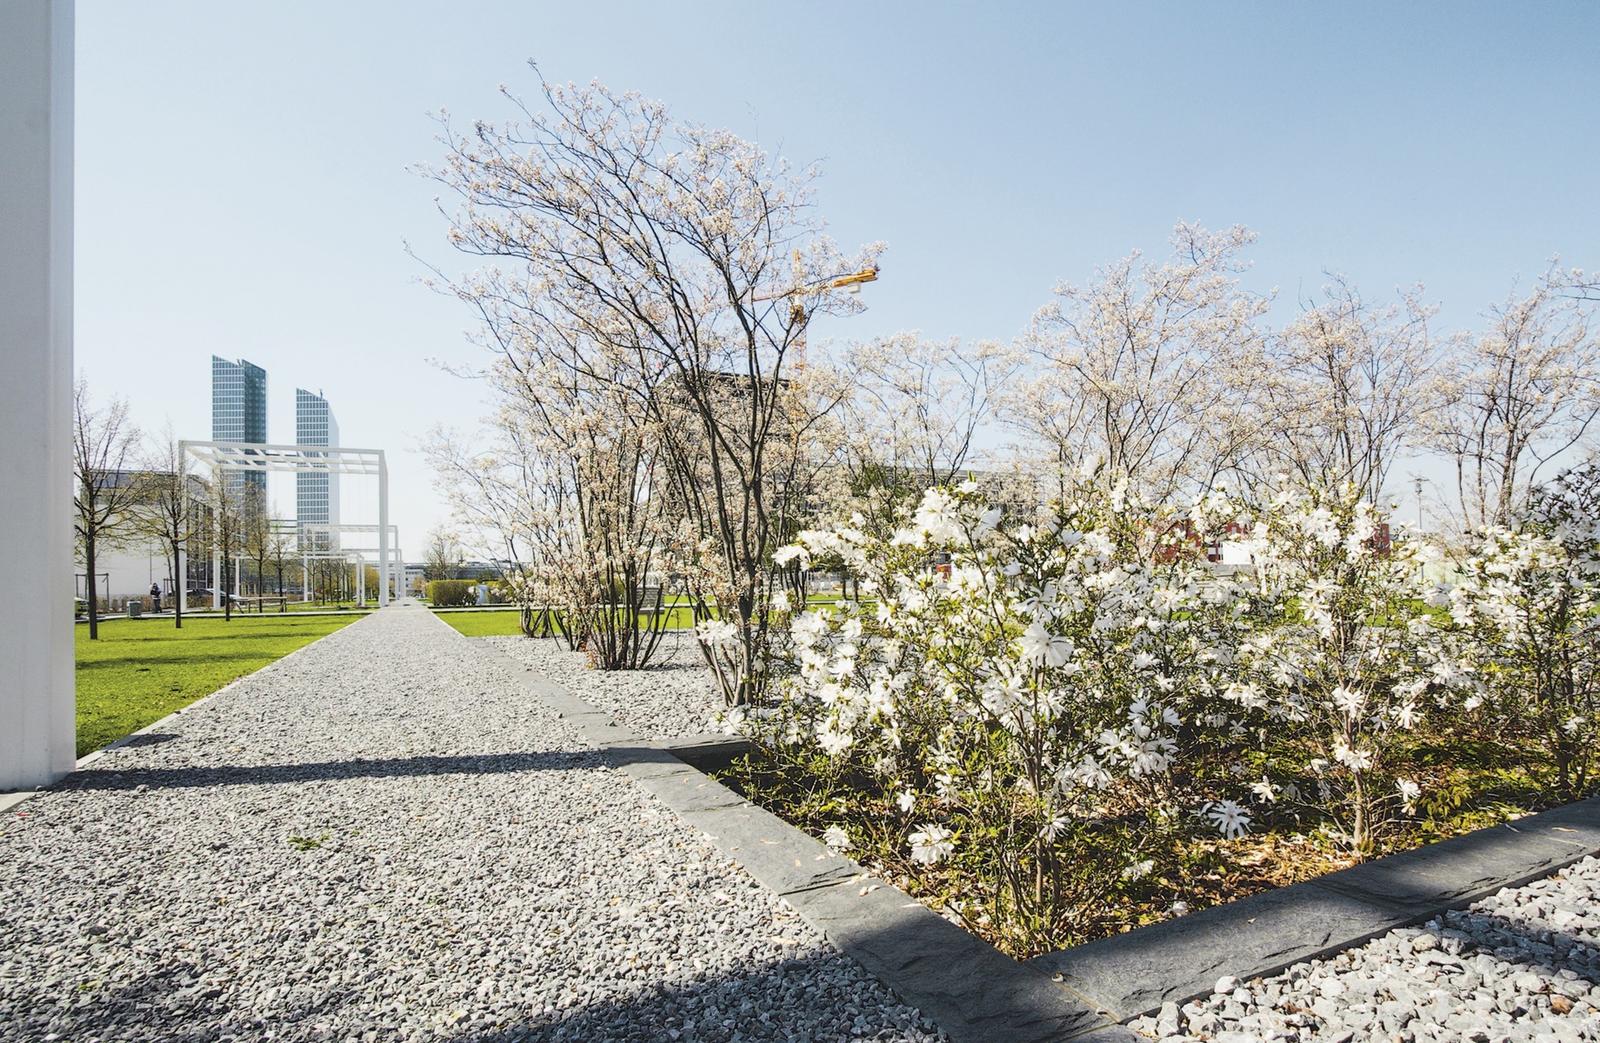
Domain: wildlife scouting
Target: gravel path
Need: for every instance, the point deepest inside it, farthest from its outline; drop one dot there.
(674, 698)
(378, 839)
(1523, 964)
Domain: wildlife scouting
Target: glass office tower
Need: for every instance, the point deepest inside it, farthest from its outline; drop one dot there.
(239, 414)
(316, 494)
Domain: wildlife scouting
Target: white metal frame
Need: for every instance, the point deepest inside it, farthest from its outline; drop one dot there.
(259, 458)
(345, 553)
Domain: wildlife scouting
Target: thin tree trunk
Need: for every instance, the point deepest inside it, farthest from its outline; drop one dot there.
(180, 586)
(94, 607)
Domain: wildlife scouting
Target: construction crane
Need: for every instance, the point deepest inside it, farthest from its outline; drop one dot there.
(851, 282)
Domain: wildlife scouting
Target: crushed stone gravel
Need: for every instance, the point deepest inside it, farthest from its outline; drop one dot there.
(1520, 966)
(674, 697)
(381, 838)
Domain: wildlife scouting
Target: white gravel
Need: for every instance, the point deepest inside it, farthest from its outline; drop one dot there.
(672, 698)
(379, 839)
(1523, 964)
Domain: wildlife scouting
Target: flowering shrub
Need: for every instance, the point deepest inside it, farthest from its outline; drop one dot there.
(1341, 664)
(1021, 694)
(1048, 726)
(1526, 604)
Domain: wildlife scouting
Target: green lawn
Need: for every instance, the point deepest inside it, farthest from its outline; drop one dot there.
(504, 622)
(141, 670)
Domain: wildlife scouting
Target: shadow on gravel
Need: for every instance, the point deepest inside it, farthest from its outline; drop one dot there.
(811, 998)
(148, 739)
(191, 777)
(1522, 945)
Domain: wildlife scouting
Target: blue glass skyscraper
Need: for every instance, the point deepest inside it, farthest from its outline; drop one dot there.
(316, 494)
(239, 414)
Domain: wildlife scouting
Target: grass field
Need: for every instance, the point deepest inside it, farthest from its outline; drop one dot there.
(141, 670)
(506, 623)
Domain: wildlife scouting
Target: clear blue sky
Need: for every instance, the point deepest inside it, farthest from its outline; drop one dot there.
(243, 183)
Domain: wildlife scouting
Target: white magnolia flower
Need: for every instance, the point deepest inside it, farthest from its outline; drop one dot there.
(784, 555)
(1231, 820)
(836, 838)
(906, 801)
(1041, 646)
(1409, 792)
(931, 845)
(717, 632)
(1264, 790)
(1053, 828)
(1138, 871)
(1349, 700)
(1355, 760)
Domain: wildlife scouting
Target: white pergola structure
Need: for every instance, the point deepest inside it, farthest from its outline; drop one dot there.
(259, 458)
(345, 553)
(36, 692)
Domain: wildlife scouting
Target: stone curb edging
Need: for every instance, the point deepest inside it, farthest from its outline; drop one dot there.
(11, 800)
(1135, 973)
(970, 989)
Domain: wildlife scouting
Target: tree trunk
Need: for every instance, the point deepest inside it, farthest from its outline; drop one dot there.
(180, 586)
(94, 607)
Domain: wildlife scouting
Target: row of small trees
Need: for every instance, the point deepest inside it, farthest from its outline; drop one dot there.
(130, 489)
(645, 293)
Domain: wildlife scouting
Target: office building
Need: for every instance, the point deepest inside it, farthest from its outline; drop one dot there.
(239, 414)
(316, 494)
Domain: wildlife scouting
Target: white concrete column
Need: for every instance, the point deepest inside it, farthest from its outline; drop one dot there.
(37, 725)
(305, 578)
(383, 529)
(361, 580)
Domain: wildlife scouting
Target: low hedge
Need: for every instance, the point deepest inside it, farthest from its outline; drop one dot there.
(450, 593)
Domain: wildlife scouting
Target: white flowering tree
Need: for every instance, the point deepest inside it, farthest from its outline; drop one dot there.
(1346, 388)
(1019, 696)
(1149, 366)
(1527, 599)
(1342, 662)
(683, 265)
(1516, 400)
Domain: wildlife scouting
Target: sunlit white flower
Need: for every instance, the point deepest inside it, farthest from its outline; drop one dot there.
(1409, 792)
(717, 632)
(906, 801)
(784, 555)
(1041, 646)
(1348, 700)
(1355, 760)
(1138, 871)
(931, 845)
(1054, 827)
(836, 838)
(1231, 820)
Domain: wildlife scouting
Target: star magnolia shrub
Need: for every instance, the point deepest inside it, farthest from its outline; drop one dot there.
(1526, 605)
(1025, 695)
(1341, 663)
